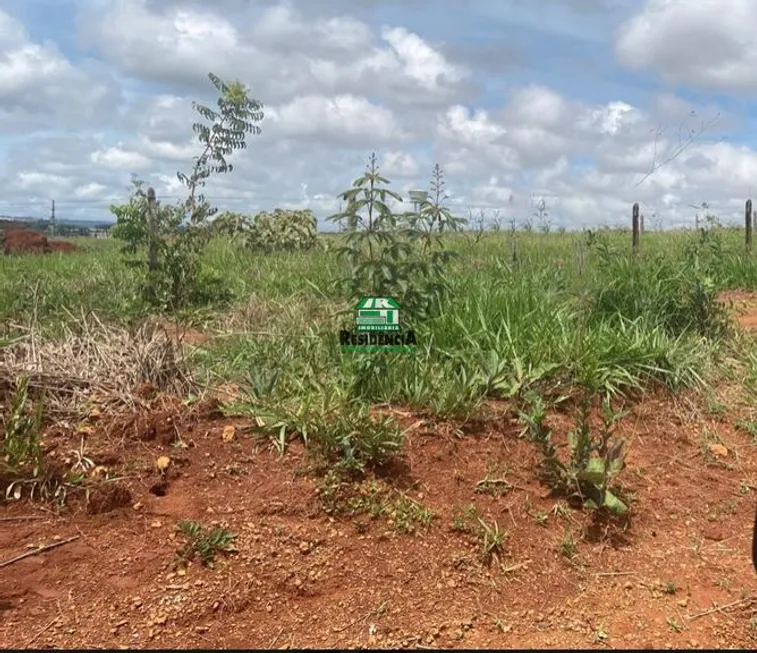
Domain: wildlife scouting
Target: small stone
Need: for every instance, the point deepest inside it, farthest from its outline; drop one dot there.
(202, 629)
(451, 583)
(155, 524)
(304, 547)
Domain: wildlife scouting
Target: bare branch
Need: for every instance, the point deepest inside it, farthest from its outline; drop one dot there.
(683, 144)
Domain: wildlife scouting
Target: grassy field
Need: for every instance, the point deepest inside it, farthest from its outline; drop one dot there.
(588, 314)
(394, 449)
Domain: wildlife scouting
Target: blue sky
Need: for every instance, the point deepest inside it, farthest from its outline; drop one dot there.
(558, 99)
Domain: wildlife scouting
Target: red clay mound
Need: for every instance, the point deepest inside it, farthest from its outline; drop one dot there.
(19, 240)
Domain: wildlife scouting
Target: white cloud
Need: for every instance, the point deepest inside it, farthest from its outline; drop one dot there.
(709, 44)
(117, 158)
(161, 150)
(337, 85)
(88, 191)
(279, 53)
(399, 164)
(420, 62)
(40, 88)
(40, 181)
(537, 105)
(341, 119)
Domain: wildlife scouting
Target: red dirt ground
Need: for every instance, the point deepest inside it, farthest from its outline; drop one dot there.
(19, 240)
(743, 306)
(678, 575)
(182, 334)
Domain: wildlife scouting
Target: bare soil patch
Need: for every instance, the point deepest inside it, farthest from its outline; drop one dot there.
(20, 240)
(182, 334)
(743, 306)
(677, 574)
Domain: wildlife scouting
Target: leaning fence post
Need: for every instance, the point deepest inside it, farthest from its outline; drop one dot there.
(152, 248)
(748, 225)
(635, 226)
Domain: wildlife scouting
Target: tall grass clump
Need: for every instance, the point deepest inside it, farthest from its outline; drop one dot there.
(677, 294)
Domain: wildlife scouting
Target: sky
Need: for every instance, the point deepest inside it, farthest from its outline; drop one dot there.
(581, 106)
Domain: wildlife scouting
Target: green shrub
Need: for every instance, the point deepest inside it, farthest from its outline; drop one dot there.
(283, 230)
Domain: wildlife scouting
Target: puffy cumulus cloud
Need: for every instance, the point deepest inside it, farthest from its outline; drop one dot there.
(708, 44)
(470, 142)
(400, 164)
(276, 51)
(117, 158)
(336, 85)
(343, 120)
(584, 159)
(40, 88)
(535, 128)
(40, 168)
(589, 162)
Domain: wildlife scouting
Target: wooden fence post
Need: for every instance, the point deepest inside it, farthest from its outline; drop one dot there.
(748, 225)
(152, 225)
(635, 225)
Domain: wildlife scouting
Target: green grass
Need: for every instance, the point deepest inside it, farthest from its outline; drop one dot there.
(558, 314)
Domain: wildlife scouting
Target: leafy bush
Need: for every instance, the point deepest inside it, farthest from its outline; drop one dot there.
(176, 236)
(283, 230)
(390, 254)
(230, 224)
(594, 460)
